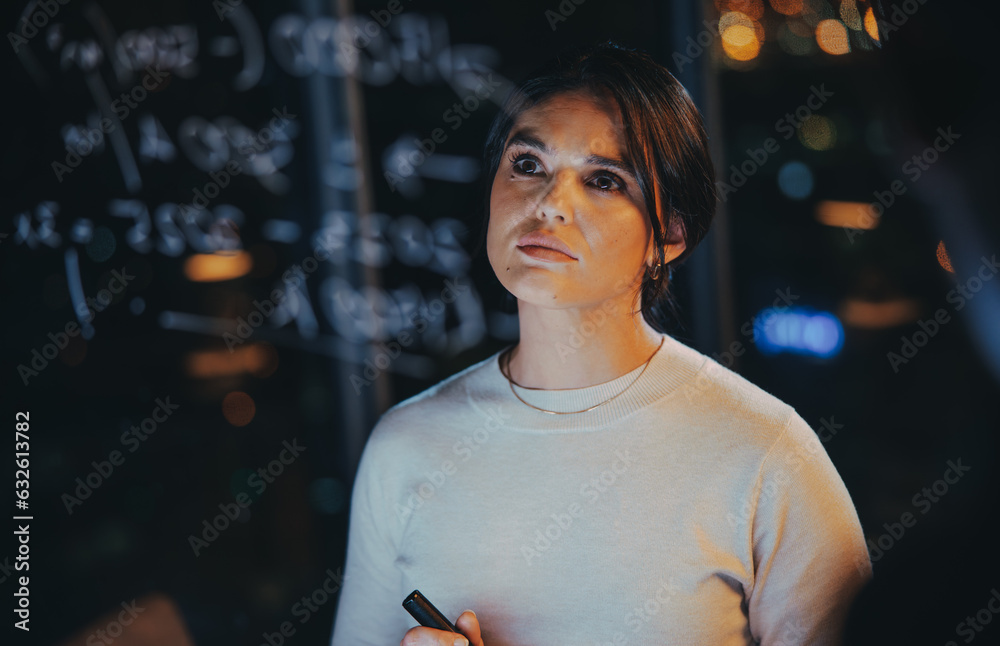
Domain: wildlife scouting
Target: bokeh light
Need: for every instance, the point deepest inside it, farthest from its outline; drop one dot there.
(741, 36)
(831, 35)
(850, 15)
(942, 257)
(817, 132)
(102, 245)
(798, 330)
(871, 24)
(796, 38)
(238, 408)
(795, 180)
(259, 359)
(876, 315)
(753, 9)
(816, 11)
(214, 267)
(787, 7)
(852, 215)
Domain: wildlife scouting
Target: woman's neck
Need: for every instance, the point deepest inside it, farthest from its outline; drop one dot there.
(579, 347)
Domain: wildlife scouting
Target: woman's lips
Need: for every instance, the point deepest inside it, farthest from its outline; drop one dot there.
(545, 246)
(544, 253)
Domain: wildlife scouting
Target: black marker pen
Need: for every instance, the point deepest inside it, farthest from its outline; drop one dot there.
(426, 614)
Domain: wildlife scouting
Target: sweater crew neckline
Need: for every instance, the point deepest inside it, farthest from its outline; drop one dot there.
(671, 366)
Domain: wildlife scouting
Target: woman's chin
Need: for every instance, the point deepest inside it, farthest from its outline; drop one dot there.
(551, 294)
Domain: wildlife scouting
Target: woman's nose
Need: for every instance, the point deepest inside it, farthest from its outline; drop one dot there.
(559, 198)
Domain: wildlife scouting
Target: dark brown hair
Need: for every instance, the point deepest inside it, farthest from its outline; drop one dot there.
(666, 141)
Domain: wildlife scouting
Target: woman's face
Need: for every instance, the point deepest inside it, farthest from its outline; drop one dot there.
(565, 175)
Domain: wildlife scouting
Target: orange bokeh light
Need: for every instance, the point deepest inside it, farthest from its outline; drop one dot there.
(754, 9)
(259, 359)
(831, 35)
(787, 7)
(878, 314)
(854, 215)
(238, 408)
(214, 267)
(942, 257)
(871, 25)
(741, 36)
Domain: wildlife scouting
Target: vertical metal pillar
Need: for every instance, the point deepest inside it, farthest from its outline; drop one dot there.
(707, 269)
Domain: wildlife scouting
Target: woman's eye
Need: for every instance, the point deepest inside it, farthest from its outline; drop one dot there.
(607, 183)
(526, 165)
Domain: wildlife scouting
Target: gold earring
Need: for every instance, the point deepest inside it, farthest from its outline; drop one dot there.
(655, 274)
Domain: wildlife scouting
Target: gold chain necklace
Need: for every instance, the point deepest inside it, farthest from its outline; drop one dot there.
(510, 381)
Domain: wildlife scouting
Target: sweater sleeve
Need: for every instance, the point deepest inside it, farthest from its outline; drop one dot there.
(809, 553)
(368, 611)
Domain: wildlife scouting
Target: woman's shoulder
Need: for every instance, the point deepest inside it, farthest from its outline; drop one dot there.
(430, 407)
(740, 405)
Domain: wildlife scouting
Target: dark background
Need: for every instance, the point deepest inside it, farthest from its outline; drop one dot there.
(163, 336)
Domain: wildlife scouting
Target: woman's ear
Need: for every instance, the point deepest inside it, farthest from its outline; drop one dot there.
(673, 247)
(675, 244)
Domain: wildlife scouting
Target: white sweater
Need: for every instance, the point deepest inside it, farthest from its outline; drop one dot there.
(693, 509)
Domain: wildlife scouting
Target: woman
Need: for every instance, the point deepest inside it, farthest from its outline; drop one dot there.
(598, 482)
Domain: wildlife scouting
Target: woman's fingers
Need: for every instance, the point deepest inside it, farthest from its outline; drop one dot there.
(467, 623)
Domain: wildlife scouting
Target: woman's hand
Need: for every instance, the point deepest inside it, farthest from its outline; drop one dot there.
(467, 622)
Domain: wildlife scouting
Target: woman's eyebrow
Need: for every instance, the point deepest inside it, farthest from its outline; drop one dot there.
(620, 165)
(527, 138)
